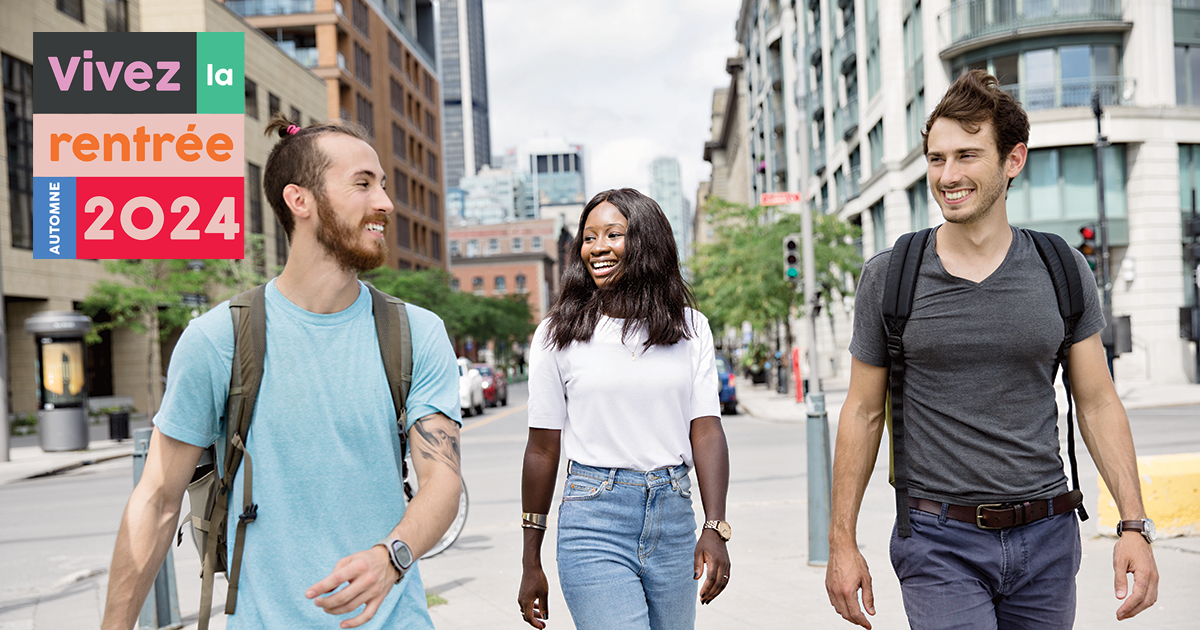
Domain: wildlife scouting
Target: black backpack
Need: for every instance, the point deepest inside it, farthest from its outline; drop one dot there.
(209, 493)
(898, 294)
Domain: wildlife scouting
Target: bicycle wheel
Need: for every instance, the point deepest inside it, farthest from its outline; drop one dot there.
(456, 527)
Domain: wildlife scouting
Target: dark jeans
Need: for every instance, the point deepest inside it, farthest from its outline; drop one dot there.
(956, 575)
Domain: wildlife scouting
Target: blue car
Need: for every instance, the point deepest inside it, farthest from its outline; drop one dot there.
(727, 382)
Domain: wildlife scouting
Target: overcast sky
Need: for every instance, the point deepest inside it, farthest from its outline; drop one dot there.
(631, 80)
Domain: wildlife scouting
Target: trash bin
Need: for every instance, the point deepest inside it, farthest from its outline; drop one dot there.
(118, 425)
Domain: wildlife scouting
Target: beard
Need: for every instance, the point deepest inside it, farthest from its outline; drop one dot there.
(341, 241)
(986, 196)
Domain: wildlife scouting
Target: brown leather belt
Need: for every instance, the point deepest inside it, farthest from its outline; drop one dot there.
(1002, 515)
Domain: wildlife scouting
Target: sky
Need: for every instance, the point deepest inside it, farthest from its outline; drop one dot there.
(630, 80)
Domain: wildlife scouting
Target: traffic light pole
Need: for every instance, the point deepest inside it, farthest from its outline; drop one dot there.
(820, 477)
(1105, 281)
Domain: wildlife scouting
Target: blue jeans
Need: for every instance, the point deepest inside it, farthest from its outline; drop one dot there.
(956, 575)
(626, 542)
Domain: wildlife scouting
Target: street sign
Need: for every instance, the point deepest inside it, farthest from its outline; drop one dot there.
(779, 198)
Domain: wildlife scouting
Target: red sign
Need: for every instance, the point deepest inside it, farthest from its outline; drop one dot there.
(780, 198)
(159, 217)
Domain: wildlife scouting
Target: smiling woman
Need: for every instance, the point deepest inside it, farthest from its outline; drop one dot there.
(628, 359)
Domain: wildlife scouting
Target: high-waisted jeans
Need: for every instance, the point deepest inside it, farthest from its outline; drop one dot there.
(626, 542)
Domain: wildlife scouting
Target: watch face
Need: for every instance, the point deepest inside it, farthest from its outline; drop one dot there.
(1150, 532)
(402, 553)
(724, 530)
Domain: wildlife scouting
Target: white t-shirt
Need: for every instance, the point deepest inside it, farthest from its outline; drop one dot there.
(616, 412)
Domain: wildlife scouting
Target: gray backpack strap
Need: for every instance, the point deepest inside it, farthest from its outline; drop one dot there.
(395, 346)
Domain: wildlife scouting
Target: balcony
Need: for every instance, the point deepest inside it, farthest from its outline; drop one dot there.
(812, 48)
(845, 53)
(1114, 91)
(250, 8)
(816, 159)
(306, 56)
(974, 23)
(776, 73)
(851, 118)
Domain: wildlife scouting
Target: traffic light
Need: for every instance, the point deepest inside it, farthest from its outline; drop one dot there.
(791, 256)
(1088, 246)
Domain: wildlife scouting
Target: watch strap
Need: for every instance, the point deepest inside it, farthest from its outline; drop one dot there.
(716, 527)
(1138, 525)
(388, 545)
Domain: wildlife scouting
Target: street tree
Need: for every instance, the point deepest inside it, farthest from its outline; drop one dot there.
(740, 277)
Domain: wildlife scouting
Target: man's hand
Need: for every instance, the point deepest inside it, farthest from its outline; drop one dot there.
(533, 598)
(1132, 554)
(369, 577)
(712, 559)
(846, 574)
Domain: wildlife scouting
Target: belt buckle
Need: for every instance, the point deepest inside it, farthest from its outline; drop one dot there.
(979, 514)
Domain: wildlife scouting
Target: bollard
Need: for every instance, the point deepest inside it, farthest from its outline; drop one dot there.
(161, 609)
(819, 481)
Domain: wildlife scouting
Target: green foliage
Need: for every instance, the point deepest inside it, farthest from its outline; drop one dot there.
(504, 319)
(23, 424)
(740, 277)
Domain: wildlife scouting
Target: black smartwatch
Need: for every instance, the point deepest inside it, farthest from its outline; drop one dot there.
(400, 555)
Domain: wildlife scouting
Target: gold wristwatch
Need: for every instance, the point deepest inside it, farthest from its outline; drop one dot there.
(721, 527)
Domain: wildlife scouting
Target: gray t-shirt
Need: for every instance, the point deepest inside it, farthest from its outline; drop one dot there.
(979, 409)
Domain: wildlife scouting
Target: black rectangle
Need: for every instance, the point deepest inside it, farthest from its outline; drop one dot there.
(162, 66)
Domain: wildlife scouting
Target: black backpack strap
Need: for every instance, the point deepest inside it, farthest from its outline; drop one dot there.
(898, 294)
(1068, 286)
(395, 346)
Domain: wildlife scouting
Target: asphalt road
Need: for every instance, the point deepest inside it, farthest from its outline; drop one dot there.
(57, 533)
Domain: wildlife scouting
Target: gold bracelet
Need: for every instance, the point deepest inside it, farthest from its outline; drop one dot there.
(528, 525)
(536, 519)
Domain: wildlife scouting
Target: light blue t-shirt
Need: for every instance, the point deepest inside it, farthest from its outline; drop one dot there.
(323, 444)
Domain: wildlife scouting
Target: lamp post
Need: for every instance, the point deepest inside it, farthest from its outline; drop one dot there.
(1105, 282)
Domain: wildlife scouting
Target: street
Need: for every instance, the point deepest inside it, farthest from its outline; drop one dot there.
(57, 533)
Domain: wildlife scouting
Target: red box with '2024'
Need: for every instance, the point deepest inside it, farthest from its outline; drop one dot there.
(159, 217)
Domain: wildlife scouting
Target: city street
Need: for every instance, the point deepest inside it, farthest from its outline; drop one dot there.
(56, 536)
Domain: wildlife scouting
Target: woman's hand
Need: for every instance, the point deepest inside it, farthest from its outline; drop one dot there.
(712, 560)
(533, 598)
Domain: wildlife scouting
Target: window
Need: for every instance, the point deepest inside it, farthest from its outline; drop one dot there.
(535, 244)
(493, 246)
(273, 105)
(281, 244)
(116, 16)
(916, 119)
(401, 185)
(472, 248)
(73, 8)
(1187, 75)
(543, 164)
(399, 142)
(1059, 184)
(454, 252)
(875, 143)
(428, 86)
(918, 205)
(362, 18)
(435, 206)
(251, 99)
(518, 245)
(431, 165)
(18, 125)
(477, 285)
(520, 282)
(254, 197)
(397, 96)
(366, 114)
(1065, 76)
(403, 233)
(362, 64)
(455, 285)
(430, 127)
(395, 53)
(500, 286)
(295, 116)
(435, 246)
(878, 226)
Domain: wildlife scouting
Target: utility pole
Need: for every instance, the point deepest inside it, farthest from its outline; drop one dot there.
(1105, 282)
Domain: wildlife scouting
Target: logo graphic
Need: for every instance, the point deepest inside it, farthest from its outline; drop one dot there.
(138, 145)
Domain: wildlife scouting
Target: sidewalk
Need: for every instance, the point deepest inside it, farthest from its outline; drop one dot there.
(28, 460)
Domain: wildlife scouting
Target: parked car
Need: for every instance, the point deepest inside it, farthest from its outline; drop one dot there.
(470, 388)
(727, 382)
(495, 385)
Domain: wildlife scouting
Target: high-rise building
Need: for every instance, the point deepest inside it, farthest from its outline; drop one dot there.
(870, 71)
(666, 188)
(557, 169)
(468, 145)
(379, 62)
(493, 195)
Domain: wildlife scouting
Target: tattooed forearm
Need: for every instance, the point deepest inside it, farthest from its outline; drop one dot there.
(437, 441)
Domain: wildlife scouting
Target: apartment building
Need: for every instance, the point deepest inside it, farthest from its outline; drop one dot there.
(868, 73)
(378, 59)
(518, 257)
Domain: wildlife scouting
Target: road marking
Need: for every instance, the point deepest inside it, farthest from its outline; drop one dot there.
(502, 414)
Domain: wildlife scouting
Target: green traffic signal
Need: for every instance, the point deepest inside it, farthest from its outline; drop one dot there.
(792, 272)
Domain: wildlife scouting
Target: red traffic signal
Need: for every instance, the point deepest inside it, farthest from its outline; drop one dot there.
(1087, 232)
(1088, 246)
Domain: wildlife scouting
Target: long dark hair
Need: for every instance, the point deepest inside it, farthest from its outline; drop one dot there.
(650, 290)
